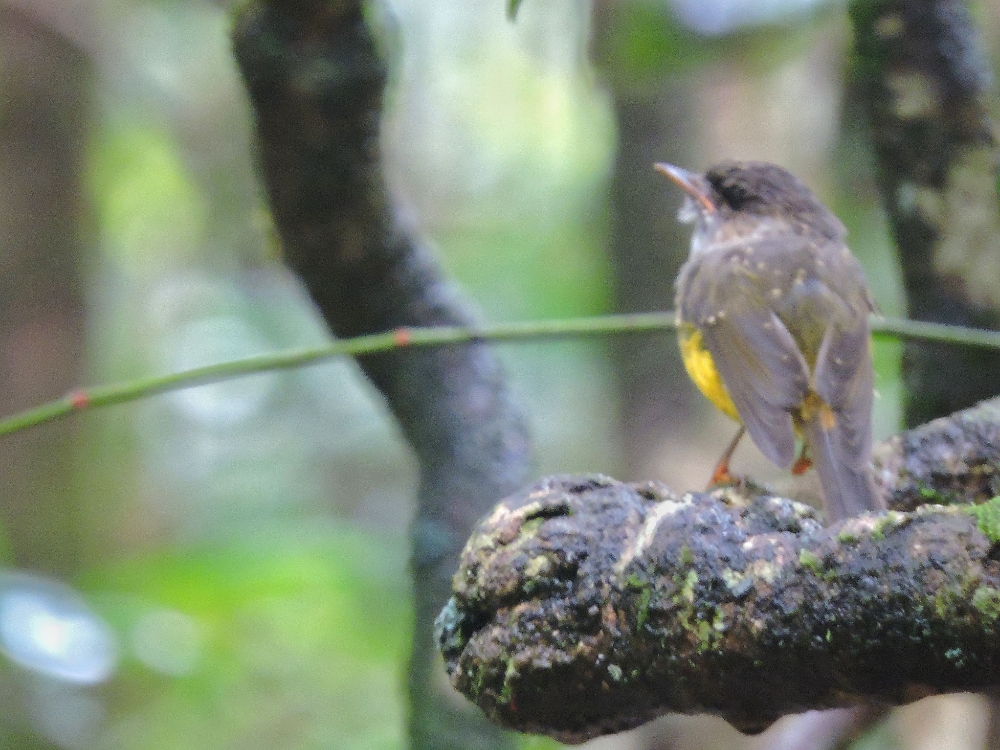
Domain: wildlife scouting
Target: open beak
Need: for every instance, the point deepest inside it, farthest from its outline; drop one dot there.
(691, 183)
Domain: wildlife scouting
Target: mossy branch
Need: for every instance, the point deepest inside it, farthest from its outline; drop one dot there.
(585, 606)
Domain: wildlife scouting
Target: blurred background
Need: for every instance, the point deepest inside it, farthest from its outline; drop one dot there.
(225, 567)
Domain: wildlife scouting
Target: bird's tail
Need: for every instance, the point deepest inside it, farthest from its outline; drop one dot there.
(845, 474)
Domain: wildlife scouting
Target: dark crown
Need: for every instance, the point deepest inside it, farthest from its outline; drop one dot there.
(768, 190)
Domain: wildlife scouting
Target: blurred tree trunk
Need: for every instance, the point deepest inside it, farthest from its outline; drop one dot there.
(316, 82)
(655, 119)
(43, 120)
(924, 81)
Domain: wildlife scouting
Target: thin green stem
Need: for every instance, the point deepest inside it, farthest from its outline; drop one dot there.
(919, 330)
(603, 325)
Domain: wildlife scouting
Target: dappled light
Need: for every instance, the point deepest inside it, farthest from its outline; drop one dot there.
(47, 628)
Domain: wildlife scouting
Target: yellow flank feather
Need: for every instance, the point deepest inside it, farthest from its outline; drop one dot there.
(701, 369)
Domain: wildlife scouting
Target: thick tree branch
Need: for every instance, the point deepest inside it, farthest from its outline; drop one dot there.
(952, 460)
(316, 82)
(585, 606)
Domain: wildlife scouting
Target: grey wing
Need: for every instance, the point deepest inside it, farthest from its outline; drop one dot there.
(755, 354)
(765, 374)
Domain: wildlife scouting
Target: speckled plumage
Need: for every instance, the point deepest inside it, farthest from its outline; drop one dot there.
(781, 306)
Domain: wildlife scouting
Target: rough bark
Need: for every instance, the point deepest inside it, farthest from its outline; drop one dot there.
(924, 82)
(585, 606)
(316, 83)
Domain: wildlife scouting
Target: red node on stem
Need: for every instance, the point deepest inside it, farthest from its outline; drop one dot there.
(78, 399)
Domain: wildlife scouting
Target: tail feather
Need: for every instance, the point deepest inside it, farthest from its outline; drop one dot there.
(847, 483)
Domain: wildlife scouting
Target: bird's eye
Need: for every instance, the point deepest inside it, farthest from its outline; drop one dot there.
(730, 183)
(734, 194)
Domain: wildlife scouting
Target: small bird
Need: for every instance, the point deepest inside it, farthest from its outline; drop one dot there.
(773, 325)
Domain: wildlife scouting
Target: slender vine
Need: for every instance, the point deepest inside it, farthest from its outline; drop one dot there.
(602, 325)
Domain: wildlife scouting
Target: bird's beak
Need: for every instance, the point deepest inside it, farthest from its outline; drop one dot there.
(691, 183)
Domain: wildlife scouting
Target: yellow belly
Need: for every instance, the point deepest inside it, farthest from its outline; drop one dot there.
(701, 369)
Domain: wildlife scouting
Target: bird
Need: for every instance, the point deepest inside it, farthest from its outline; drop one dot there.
(773, 325)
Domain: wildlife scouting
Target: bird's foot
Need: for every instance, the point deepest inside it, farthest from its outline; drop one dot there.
(802, 464)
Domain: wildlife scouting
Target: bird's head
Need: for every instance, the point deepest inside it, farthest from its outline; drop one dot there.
(750, 192)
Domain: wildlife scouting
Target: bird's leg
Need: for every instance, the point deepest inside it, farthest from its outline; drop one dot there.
(803, 463)
(721, 473)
